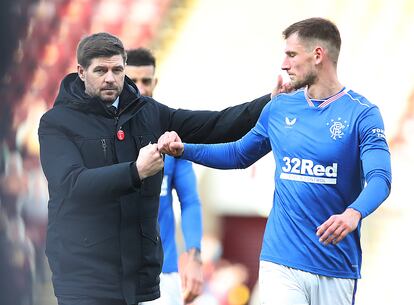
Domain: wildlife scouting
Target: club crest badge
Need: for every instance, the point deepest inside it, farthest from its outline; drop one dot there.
(337, 127)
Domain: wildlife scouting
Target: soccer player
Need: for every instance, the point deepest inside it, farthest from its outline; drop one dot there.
(332, 170)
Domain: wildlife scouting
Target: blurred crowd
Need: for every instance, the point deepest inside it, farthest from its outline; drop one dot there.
(23, 220)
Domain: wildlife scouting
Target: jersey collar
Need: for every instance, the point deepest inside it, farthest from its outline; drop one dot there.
(327, 101)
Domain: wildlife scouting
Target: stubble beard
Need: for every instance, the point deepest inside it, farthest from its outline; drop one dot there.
(106, 99)
(308, 80)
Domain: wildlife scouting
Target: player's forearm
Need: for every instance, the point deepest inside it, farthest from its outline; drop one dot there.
(371, 197)
(221, 156)
(191, 225)
(239, 154)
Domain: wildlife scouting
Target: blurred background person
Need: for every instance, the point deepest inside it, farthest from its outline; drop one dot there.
(17, 253)
(178, 175)
(33, 200)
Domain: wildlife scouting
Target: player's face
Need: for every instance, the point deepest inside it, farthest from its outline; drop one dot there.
(104, 78)
(143, 77)
(299, 63)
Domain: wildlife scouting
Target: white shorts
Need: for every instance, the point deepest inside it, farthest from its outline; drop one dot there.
(170, 287)
(281, 285)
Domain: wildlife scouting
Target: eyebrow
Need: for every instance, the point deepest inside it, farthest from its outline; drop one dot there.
(105, 67)
(290, 52)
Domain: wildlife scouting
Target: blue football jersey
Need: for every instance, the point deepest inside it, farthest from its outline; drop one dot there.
(324, 151)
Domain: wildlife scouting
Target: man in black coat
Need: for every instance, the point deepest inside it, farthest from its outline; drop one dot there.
(104, 174)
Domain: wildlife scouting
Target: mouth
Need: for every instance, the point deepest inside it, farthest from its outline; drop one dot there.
(108, 89)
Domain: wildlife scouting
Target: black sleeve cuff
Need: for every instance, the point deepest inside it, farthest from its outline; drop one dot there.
(134, 175)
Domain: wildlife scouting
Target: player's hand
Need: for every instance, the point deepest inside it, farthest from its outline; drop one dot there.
(192, 276)
(149, 161)
(338, 226)
(281, 87)
(171, 144)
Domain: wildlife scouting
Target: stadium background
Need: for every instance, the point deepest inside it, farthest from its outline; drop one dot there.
(212, 54)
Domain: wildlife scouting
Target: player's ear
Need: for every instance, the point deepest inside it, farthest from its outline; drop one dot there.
(319, 53)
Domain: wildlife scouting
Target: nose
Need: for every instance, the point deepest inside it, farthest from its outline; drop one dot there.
(141, 87)
(109, 77)
(285, 64)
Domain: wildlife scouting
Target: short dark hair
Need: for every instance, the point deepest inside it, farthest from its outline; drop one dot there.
(141, 57)
(317, 29)
(99, 45)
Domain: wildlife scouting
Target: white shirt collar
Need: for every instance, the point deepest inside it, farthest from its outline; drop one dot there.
(116, 103)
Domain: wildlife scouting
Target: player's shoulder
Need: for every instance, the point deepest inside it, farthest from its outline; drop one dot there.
(289, 97)
(358, 100)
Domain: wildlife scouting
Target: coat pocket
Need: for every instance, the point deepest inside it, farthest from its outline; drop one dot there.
(152, 256)
(97, 152)
(85, 247)
(144, 140)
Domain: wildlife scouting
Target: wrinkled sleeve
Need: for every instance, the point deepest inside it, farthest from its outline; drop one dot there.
(227, 125)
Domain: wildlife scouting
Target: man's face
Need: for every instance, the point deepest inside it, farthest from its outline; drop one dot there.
(104, 78)
(299, 63)
(143, 77)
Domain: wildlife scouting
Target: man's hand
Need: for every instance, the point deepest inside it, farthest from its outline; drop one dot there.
(338, 226)
(192, 276)
(171, 144)
(149, 161)
(281, 87)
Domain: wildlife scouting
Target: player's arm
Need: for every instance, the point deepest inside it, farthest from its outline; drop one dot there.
(235, 155)
(184, 182)
(239, 154)
(376, 165)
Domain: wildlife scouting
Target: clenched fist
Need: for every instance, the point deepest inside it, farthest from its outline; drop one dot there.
(170, 143)
(149, 161)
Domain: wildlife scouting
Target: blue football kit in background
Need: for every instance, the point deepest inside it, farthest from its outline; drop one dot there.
(179, 175)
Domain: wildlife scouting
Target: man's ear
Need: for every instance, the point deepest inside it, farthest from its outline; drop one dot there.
(319, 54)
(81, 72)
(155, 82)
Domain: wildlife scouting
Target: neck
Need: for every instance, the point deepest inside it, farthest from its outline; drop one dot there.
(324, 88)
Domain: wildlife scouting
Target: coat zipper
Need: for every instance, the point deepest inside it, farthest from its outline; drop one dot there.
(104, 146)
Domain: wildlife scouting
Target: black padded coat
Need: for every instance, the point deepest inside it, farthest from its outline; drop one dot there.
(103, 237)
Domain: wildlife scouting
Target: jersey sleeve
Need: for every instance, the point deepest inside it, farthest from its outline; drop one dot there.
(185, 184)
(376, 163)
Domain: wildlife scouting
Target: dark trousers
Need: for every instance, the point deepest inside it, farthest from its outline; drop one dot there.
(69, 300)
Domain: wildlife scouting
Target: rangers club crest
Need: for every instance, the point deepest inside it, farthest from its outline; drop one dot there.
(336, 128)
